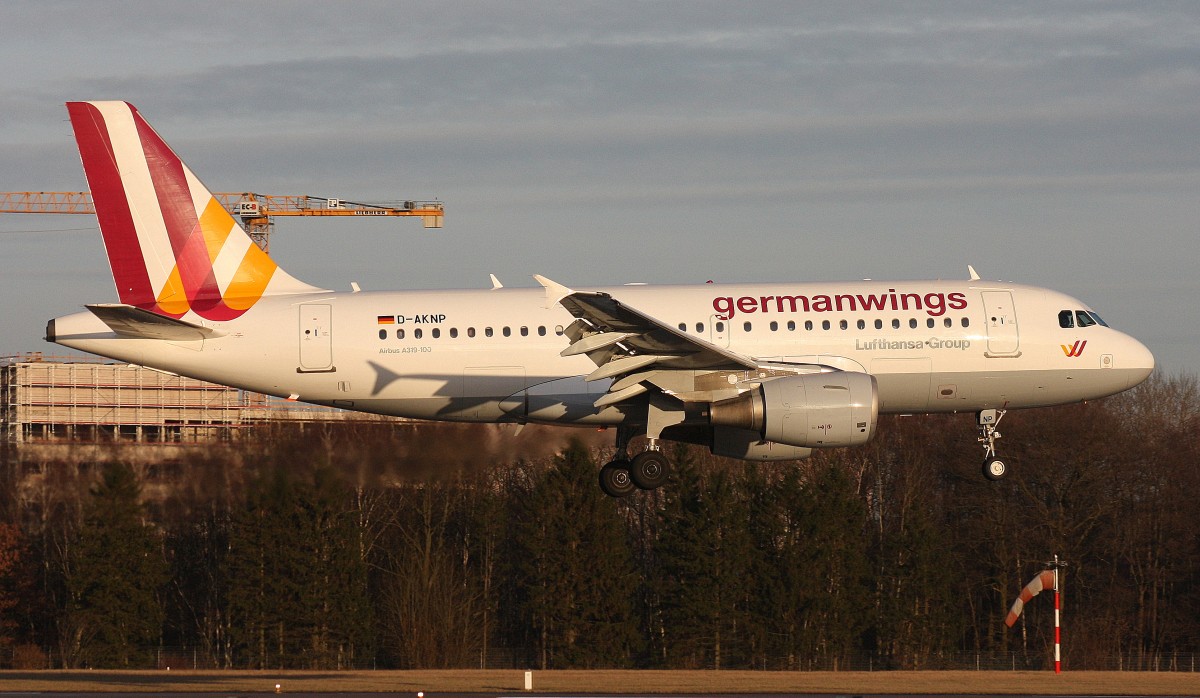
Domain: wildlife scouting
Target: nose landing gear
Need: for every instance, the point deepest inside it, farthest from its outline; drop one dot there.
(994, 467)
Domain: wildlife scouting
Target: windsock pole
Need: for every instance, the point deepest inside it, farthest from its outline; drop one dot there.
(1057, 622)
(1046, 578)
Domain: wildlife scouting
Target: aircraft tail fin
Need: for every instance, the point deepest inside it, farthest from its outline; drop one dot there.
(172, 247)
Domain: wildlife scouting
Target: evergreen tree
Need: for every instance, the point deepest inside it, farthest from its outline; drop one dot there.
(706, 558)
(575, 567)
(10, 556)
(829, 564)
(117, 576)
(198, 612)
(297, 596)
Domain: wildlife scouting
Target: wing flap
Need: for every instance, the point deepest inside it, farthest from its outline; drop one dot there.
(623, 342)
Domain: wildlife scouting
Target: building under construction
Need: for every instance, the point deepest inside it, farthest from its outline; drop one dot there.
(45, 400)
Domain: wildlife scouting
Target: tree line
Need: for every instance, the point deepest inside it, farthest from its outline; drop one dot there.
(441, 546)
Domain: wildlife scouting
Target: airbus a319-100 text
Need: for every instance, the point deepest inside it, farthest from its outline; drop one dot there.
(753, 371)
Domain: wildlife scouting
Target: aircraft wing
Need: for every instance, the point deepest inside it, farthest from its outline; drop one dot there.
(136, 323)
(626, 343)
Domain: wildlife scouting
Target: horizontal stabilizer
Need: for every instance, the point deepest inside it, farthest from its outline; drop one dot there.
(136, 323)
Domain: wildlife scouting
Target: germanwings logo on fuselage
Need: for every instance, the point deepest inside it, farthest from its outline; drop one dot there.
(1075, 349)
(933, 304)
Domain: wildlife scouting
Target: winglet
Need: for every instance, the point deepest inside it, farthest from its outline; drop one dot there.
(974, 274)
(555, 291)
(495, 282)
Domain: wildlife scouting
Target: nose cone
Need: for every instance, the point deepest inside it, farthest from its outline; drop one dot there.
(1137, 362)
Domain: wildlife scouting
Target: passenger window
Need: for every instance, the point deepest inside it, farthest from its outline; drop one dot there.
(824, 324)
(487, 332)
(912, 323)
(774, 326)
(1066, 319)
(683, 327)
(416, 334)
(453, 333)
(558, 330)
(878, 324)
(507, 332)
(399, 334)
(895, 323)
(383, 334)
(966, 322)
(541, 330)
(435, 333)
(862, 324)
(843, 324)
(1085, 320)
(524, 331)
(746, 326)
(791, 325)
(948, 322)
(470, 331)
(929, 323)
(808, 325)
(699, 326)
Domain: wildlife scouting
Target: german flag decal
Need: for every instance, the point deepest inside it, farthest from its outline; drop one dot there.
(387, 319)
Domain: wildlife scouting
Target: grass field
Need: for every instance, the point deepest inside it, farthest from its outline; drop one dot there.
(681, 682)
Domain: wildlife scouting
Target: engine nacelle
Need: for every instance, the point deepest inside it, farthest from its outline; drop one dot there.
(815, 410)
(732, 442)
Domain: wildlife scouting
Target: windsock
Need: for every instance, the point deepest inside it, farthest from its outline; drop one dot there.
(1044, 580)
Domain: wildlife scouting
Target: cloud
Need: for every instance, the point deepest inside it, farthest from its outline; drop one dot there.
(656, 141)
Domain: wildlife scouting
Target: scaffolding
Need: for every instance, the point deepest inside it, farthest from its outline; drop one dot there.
(81, 400)
(46, 399)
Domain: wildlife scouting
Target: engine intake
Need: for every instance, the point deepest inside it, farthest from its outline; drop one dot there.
(817, 410)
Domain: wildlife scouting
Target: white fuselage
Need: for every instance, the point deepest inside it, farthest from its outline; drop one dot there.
(494, 355)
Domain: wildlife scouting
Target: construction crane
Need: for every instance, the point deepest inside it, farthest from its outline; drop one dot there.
(255, 210)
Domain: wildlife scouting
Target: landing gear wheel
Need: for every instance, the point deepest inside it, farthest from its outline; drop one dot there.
(649, 470)
(995, 469)
(615, 480)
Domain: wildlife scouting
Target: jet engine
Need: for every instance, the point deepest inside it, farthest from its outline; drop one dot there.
(816, 410)
(749, 445)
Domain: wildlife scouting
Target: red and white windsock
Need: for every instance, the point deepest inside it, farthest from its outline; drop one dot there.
(1044, 580)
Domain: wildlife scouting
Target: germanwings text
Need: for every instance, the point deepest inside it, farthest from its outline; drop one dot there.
(933, 304)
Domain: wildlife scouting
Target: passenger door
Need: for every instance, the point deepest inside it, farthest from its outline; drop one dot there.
(1002, 337)
(316, 338)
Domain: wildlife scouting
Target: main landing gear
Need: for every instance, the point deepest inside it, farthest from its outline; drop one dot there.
(621, 476)
(994, 467)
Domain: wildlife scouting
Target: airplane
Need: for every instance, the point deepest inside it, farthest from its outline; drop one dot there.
(757, 371)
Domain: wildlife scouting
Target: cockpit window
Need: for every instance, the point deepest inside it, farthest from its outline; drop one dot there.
(1097, 318)
(1085, 320)
(1066, 319)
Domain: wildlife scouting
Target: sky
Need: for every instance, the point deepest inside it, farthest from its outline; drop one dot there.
(599, 143)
